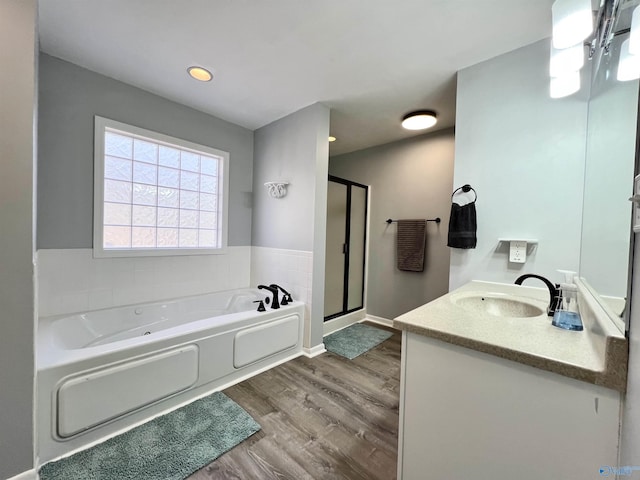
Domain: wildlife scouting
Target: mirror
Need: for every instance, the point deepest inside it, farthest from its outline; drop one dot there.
(609, 171)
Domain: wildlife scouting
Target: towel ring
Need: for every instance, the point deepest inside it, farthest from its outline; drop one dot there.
(466, 188)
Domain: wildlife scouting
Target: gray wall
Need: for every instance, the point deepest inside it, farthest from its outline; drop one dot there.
(409, 179)
(295, 149)
(524, 154)
(285, 150)
(70, 96)
(17, 318)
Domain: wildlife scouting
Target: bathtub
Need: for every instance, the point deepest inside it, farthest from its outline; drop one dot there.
(102, 372)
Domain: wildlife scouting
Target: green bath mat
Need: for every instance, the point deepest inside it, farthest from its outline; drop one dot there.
(170, 447)
(355, 340)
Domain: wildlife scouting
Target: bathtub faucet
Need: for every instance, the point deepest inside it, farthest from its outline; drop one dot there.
(275, 304)
(286, 296)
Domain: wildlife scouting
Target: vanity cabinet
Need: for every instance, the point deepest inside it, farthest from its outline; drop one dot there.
(466, 414)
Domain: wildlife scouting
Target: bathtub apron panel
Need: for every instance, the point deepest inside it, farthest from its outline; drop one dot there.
(88, 400)
(255, 343)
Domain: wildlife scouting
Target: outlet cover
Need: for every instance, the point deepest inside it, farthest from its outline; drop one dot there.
(517, 251)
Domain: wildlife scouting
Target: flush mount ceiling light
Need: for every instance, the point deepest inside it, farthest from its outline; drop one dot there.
(199, 73)
(419, 120)
(572, 22)
(332, 138)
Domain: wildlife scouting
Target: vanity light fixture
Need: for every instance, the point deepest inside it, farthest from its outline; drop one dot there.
(199, 73)
(332, 138)
(634, 34)
(572, 22)
(564, 85)
(566, 60)
(419, 120)
(628, 65)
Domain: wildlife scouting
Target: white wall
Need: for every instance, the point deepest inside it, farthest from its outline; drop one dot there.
(524, 154)
(71, 280)
(292, 269)
(18, 67)
(294, 149)
(411, 178)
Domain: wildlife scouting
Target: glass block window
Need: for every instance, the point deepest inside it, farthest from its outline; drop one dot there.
(156, 195)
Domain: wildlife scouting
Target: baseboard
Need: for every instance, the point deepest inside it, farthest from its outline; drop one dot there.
(28, 475)
(313, 351)
(344, 321)
(379, 320)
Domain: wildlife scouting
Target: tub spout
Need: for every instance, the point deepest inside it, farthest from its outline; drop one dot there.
(286, 296)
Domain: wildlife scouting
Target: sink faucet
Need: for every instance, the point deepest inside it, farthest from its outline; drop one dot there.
(554, 291)
(275, 304)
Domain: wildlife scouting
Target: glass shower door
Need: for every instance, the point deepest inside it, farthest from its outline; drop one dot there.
(345, 247)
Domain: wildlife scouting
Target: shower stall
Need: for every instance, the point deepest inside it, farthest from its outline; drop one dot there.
(346, 247)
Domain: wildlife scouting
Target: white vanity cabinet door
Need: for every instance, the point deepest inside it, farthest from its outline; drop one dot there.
(468, 415)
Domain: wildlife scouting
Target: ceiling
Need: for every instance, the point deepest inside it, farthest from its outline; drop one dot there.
(370, 61)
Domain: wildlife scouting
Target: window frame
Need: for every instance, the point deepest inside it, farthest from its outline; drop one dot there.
(101, 125)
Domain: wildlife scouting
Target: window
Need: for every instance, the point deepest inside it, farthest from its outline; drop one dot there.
(157, 195)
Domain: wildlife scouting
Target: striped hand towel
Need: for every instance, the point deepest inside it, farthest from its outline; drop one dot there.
(410, 245)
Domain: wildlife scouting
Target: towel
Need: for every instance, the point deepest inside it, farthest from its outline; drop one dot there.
(410, 245)
(462, 226)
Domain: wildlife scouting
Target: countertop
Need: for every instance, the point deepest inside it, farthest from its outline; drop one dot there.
(598, 354)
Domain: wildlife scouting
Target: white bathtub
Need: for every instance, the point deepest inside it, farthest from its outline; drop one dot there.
(101, 372)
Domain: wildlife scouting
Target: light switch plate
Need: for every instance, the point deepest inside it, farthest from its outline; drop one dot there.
(517, 251)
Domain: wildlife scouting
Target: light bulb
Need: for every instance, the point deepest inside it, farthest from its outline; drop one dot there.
(634, 35)
(572, 22)
(628, 64)
(566, 60)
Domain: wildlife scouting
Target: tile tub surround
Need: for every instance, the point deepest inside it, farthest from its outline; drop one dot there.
(596, 355)
(71, 280)
(292, 269)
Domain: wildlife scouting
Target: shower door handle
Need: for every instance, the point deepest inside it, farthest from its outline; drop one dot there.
(345, 248)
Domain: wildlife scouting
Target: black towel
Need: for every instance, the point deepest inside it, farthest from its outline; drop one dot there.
(462, 226)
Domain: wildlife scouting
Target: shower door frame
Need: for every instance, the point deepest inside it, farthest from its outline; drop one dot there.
(347, 253)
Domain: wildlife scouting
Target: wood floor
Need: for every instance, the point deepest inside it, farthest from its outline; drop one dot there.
(322, 418)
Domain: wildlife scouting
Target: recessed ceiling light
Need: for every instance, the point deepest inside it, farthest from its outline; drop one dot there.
(419, 120)
(200, 73)
(332, 138)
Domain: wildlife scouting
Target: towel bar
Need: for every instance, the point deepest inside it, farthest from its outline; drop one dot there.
(437, 220)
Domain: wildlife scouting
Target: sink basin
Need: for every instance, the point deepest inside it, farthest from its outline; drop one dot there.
(498, 306)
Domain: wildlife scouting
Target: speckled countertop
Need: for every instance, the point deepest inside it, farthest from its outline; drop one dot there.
(597, 355)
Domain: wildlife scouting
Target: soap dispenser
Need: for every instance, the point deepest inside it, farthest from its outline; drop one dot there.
(567, 315)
